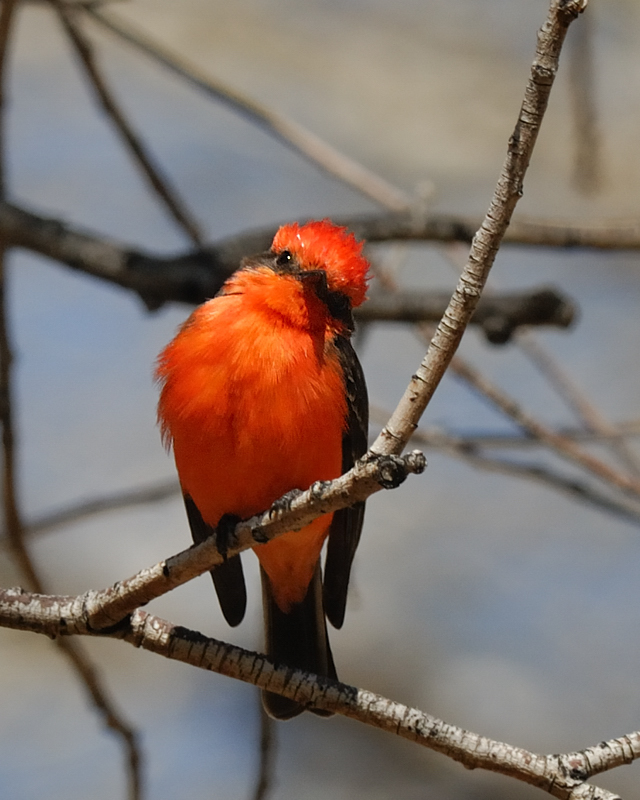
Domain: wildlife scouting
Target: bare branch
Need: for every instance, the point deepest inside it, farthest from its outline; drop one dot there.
(107, 607)
(475, 440)
(291, 134)
(560, 444)
(99, 505)
(576, 399)
(195, 277)
(563, 776)
(396, 433)
(599, 234)
(469, 450)
(499, 315)
(160, 183)
(14, 527)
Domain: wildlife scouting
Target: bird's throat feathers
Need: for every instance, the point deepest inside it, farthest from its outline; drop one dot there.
(285, 300)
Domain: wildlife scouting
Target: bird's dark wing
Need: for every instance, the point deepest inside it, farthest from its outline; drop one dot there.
(346, 525)
(228, 577)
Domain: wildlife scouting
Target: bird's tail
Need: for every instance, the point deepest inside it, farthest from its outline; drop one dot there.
(298, 639)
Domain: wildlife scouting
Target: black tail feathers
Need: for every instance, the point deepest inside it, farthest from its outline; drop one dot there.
(298, 639)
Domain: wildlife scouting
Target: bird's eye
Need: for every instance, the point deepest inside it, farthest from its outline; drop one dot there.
(284, 258)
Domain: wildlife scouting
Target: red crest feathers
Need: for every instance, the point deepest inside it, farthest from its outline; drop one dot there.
(323, 245)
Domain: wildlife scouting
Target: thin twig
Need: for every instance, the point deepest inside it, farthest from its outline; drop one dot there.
(416, 225)
(264, 783)
(137, 148)
(560, 444)
(593, 419)
(290, 133)
(469, 450)
(396, 433)
(99, 505)
(13, 522)
(564, 776)
(523, 441)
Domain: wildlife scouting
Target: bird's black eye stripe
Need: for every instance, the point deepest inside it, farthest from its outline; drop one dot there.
(284, 259)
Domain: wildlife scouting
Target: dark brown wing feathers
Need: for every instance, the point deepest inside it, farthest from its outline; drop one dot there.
(346, 526)
(228, 577)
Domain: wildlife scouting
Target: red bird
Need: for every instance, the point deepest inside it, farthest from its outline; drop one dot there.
(263, 393)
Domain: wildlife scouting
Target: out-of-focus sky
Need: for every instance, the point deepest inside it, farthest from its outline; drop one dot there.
(493, 603)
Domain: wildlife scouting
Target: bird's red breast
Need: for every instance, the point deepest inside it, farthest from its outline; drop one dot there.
(254, 404)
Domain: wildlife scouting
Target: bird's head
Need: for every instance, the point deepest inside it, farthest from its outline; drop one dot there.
(324, 246)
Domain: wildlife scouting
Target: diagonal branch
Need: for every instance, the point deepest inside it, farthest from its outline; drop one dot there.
(99, 505)
(107, 607)
(592, 418)
(563, 776)
(397, 432)
(160, 183)
(562, 445)
(469, 449)
(288, 132)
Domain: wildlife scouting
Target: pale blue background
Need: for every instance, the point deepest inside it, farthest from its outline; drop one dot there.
(496, 604)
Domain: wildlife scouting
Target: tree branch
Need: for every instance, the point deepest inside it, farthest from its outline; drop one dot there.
(563, 776)
(499, 315)
(194, 276)
(469, 449)
(197, 276)
(290, 133)
(556, 441)
(592, 418)
(78, 659)
(99, 505)
(397, 432)
(107, 607)
(160, 183)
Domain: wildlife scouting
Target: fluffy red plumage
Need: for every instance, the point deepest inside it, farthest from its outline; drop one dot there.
(262, 393)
